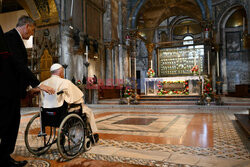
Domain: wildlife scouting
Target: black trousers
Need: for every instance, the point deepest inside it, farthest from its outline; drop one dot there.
(9, 125)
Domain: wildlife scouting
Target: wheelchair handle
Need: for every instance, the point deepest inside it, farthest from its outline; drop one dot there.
(60, 92)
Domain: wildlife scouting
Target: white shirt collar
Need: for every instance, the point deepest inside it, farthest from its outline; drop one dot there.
(19, 33)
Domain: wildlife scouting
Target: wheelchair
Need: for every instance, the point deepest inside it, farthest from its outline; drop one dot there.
(73, 136)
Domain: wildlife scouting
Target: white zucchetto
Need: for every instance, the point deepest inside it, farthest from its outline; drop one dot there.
(55, 66)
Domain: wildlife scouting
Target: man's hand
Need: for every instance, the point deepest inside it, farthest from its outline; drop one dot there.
(47, 89)
(33, 91)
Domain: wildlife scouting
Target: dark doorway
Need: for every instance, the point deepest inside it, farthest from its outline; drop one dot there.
(138, 80)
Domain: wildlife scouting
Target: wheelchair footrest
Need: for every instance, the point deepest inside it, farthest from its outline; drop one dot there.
(94, 138)
(42, 134)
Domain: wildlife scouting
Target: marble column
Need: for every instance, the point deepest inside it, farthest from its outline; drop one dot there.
(120, 36)
(117, 69)
(133, 57)
(150, 48)
(133, 54)
(109, 72)
(121, 62)
(67, 51)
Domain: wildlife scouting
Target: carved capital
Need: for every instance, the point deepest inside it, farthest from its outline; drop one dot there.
(150, 47)
(109, 45)
(207, 24)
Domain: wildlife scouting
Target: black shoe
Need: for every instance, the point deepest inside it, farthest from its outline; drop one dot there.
(96, 137)
(14, 163)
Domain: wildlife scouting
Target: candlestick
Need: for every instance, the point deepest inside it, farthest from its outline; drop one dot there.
(208, 62)
(218, 65)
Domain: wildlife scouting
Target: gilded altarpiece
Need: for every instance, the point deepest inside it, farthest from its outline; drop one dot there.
(180, 61)
(45, 64)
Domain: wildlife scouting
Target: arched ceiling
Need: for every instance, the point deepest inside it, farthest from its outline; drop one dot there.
(148, 14)
(153, 12)
(236, 19)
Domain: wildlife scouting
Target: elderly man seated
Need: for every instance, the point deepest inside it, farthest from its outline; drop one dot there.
(71, 94)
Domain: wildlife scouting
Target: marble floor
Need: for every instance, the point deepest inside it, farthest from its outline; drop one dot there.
(156, 137)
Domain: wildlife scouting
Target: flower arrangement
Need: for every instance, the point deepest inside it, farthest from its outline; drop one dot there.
(161, 90)
(151, 72)
(78, 82)
(208, 90)
(128, 93)
(195, 69)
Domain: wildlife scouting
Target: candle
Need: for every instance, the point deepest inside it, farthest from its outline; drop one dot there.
(208, 62)
(86, 53)
(218, 65)
(243, 24)
(71, 11)
(152, 64)
(199, 65)
(194, 59)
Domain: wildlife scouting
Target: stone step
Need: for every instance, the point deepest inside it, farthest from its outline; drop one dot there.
(169, 96)
(172, 99)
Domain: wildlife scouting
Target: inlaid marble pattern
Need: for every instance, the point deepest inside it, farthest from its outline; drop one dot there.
(148, 144)
(171, 125)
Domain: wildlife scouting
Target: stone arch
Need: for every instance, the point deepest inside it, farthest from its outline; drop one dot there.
(231, 51)
(225, 16)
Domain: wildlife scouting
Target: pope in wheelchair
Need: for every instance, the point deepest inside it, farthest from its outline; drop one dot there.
(66, 111)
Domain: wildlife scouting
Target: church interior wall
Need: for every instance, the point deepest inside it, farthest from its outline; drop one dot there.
(234, 57)
(10, 20)
(107, 21)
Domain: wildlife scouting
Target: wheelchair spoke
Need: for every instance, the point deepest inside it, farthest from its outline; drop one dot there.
(72, 136)
(36, 143)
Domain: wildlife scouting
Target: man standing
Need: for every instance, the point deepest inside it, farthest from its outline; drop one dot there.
(15, 78)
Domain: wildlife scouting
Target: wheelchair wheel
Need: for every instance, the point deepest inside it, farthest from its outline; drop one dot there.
(71, 136)
(36, 142)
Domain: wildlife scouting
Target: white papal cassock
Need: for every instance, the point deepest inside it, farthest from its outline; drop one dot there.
(71, 94)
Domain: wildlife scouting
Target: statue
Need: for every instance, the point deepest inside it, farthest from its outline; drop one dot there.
(73, 80)
(95, 80)
(84, 80)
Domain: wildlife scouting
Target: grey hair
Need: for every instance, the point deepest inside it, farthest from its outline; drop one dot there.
(54, 71)
(24, 20)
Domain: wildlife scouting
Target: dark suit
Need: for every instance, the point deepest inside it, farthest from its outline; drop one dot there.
(15, 77)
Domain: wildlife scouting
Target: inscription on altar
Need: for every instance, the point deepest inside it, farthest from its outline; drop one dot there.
(180, 61)
(172, 87)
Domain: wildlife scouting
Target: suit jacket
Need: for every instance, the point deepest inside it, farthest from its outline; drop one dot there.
(18, 61)
(6, 71)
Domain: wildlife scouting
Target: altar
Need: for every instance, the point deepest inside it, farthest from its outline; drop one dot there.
(169, 86)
